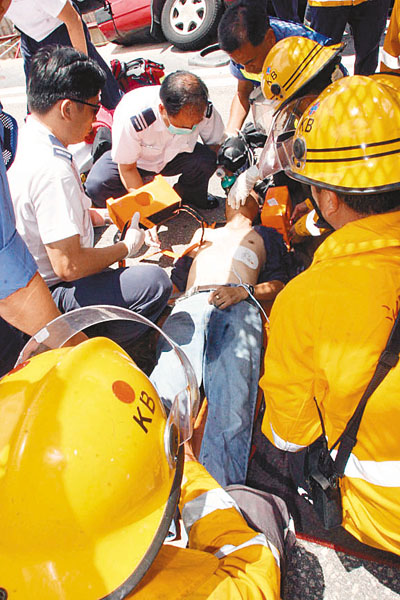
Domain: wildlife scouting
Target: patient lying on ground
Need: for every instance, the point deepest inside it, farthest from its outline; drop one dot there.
(218, 324)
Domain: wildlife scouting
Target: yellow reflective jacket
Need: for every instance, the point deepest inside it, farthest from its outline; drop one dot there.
(391, 46)
(225, 558)
(328, 328)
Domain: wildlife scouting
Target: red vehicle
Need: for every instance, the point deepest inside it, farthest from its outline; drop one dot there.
(188, 24)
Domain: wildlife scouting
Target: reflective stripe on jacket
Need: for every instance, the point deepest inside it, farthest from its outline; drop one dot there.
(225, 558)
(335, 2)
(328, 328)
(391, 47)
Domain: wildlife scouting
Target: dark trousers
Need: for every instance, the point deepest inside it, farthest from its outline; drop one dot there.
(195, 168)
(286, 9)
(367, 22)
(111, 92)
(12, 342)
(144, 289)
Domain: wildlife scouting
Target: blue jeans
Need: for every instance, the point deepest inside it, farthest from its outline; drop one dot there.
(224, 347)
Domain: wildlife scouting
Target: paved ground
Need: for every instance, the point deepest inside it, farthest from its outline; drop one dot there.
(315, 572)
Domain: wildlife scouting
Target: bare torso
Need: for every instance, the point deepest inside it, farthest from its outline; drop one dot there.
(228, 255)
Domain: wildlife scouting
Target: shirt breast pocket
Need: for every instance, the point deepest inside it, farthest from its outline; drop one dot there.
(150, 150)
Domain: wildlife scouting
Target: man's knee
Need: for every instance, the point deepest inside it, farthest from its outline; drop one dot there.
(160, 285)
(205, 159)
(155, 285)
(103, 181)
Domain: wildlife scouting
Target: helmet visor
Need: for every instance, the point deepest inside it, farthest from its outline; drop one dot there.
(263, 113)
(275, 155)
(185, 405)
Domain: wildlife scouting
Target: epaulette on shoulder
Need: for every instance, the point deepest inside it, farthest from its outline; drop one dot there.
(144, 119)
(59, 149)
(209, 109)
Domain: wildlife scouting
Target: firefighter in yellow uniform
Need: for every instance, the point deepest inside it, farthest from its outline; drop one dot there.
(90, 477)
(331, 322)
(390, 58)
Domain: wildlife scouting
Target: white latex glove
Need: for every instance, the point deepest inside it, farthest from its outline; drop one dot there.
(134, 236)
(151, 238)
(242, 187)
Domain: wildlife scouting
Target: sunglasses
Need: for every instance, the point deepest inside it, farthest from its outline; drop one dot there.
(95, 107)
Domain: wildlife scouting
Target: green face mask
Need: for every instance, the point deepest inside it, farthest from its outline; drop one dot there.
(181, 130)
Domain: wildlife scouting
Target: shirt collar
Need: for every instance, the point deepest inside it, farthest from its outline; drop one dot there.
(363, 235)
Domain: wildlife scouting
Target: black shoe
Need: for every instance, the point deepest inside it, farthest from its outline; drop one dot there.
(212, 202)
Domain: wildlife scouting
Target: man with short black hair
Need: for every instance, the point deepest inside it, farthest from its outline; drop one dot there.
(53, 214)
(155, 130)
(247, 34)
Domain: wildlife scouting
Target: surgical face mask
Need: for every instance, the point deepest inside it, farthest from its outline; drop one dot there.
(180, 130)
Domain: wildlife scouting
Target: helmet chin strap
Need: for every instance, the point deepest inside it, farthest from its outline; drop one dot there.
(321, 223)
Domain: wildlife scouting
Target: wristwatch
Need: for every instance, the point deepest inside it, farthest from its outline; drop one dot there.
(249, 288)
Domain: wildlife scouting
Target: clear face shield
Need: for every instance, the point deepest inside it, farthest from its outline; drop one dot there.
(262, 111)
(185, 405)
(277, 153)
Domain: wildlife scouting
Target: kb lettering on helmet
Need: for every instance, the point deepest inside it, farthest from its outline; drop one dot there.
(150, 405)
(307, 125)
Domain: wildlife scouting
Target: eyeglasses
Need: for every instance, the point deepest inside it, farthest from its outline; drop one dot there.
(96, 107)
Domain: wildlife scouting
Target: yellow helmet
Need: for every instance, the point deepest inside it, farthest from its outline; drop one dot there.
(89, 474)
(348, 139)
(291, 64)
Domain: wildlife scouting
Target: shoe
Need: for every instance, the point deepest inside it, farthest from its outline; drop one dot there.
(212, 202)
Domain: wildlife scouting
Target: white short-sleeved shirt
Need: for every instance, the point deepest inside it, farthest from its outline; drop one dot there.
(49, 201)
(36, 18)
(139, 134)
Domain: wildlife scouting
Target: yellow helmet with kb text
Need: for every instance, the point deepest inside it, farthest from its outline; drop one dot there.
(89, 474)
(348, 139)
(292, 64)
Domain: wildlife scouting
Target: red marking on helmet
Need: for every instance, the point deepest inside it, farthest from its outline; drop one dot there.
(19, 367)
(123, 391)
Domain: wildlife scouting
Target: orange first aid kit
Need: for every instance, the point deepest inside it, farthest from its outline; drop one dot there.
(155, 201)
(277, 210)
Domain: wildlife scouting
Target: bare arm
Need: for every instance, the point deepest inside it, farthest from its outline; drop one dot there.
(268, 290)
(30, 307)
(70, 261)
(73, 22)
(240, 106)
(130, 176)
(225, 296)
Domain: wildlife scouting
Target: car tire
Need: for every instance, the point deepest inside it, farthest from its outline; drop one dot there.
(190, 24)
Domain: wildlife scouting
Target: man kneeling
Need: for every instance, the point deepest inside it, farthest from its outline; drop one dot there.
(53, 213)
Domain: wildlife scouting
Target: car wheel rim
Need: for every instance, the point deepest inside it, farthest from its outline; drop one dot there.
(187, 16)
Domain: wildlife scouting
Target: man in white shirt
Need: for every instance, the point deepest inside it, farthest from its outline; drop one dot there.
(53, 213)
(45, 22)
(156, 130)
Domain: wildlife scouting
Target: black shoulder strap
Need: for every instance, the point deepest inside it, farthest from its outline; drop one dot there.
(387, 360)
